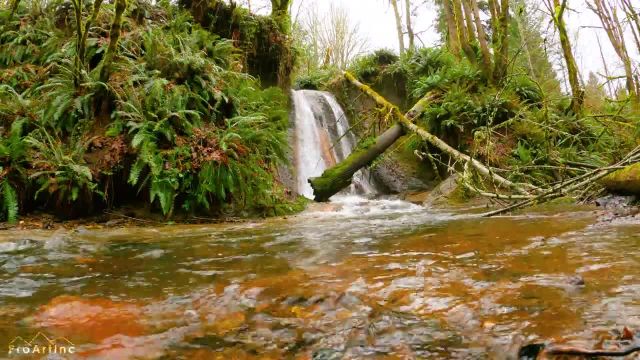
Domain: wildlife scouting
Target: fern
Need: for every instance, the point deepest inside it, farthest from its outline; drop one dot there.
(199, 133)
(60, 168)
(10, 201)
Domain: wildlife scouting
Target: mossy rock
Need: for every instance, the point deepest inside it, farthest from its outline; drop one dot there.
(626, 181)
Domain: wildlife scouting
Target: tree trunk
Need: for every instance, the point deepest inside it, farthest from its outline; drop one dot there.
(468, 18)
(396, 13)
(114, 37)
(608, 16)
(83, 43)
(452, 30)
(487, 65)
(462, 32)
(606, 67)
(519, 15)
(501, 38)
(280, 13)
(557, 9)
(410, 33)
(338, 177)
(77, 9)
(634, 19)
(418, 108)
(626, 59)
(14, 8)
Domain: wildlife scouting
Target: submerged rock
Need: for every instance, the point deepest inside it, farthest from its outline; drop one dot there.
(326, 354)
(88, 319)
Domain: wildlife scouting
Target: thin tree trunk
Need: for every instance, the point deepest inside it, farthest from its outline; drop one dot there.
(14, 8)
(396, 13)
(462, 32)
(525, 42)
(410, 33)
(452, 30)
(493, 20)
(280, 13)
(83, 43)
(636, 37)
(482, 40)
(557, 10)
(77, 7)
(606, 67)
(502, 42)
(634, 19)
(608, 15)
(114, 37)
(468, 18)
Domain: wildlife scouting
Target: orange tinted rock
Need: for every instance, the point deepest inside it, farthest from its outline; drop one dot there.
(89, 319)
(225, 323)
(86, 260)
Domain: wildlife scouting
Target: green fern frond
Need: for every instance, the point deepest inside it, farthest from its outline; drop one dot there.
(10, 202)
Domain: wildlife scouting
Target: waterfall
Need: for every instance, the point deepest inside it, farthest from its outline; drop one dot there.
(322, 139)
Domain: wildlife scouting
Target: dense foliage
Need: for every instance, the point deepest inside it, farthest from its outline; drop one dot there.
(521, 126)
(177, 124)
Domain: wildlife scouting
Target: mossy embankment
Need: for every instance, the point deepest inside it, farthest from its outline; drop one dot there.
(522, 128)
(165, 106)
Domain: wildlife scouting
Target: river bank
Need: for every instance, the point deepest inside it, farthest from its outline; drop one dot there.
(608, 209)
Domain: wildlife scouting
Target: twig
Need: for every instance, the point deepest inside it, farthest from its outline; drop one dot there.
(495, 195)
(131, 218)
(574, 351)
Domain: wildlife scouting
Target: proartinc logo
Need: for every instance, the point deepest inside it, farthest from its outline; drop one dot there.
(40, 345)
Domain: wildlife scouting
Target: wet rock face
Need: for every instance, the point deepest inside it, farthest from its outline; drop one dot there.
(443, 191)
(619, 209)
(612, 202)
(398, 177)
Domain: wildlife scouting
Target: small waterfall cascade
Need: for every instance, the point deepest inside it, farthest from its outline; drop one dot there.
(323, 139)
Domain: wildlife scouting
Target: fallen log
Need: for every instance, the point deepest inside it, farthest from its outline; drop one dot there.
(626, 181)
(567, 187)
(338, 177)
(575, 351)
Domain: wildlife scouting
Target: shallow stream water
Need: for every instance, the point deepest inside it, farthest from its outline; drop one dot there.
(354, 279)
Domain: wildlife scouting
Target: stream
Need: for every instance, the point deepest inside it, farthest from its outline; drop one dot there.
(362, 277)
(353, 279)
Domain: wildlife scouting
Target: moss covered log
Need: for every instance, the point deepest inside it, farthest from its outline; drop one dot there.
(339, 177)
(626, 181)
